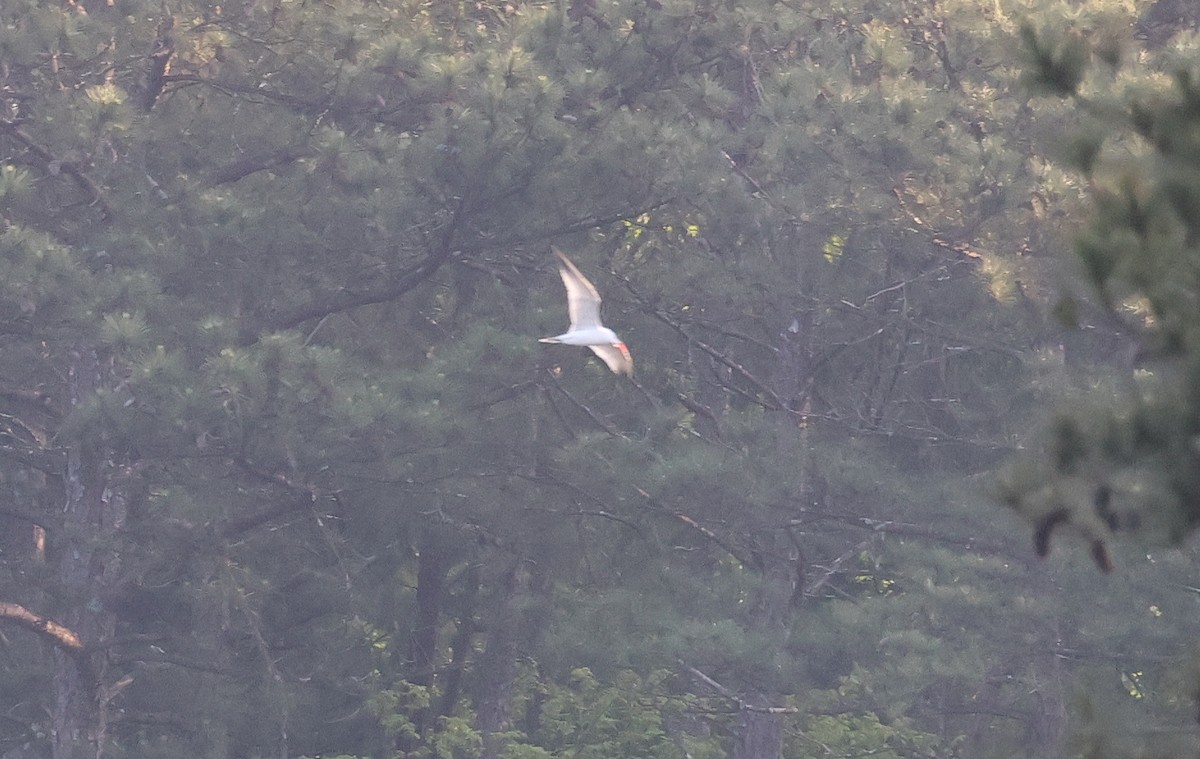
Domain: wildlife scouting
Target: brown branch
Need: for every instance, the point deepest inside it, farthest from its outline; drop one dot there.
(407, 280)
(701, 410)
(69, 168)
(235, 527)
(943, 54)
(194, 665)
(60, 636)
(417, 273)
(777, 403)
(909, 530)
(259, 95)
(734, 697)
(582, 407)
(935, 236)
(241, 169)
(512, 392)
(282, 480)
(160, 62)
(581, 493)
(835, 567)
(708, 534)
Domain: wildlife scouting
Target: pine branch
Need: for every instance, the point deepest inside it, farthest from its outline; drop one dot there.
(906, 529)
(935, 236)
(279, 479)
(255, 94)
(403, 115)
(512, 392)
(811, 590)
(776, 403)
(701, 410)
(601, 513)
(69, 168)
(239, 170)
(417, 273)
(580, 492)
(192, 665)
(160, 63)
(33, 399)
(742, 704)
(708, 534)
(404, 282)
(602, 424)
(235, 527)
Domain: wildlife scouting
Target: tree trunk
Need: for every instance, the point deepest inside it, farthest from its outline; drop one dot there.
(95, 506)
(432, 565)
(460, 644)
(422, 645)
(493, 705)
(759, 734)
(518, 622)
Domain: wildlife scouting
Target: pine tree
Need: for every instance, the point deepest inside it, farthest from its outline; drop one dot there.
(274, 276)
(1121, 462)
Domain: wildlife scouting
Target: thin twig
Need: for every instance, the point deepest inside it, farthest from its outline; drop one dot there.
(734, 697)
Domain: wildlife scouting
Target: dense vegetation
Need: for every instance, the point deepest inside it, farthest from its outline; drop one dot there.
(285, 473)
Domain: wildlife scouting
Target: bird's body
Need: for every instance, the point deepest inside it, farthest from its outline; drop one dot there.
(593, 336)
(583, 307)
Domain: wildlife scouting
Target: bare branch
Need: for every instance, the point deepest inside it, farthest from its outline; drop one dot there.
(777, 403)
(582, 407)
(708, 534)
(734, 697)
(59, 635)
(812, 590)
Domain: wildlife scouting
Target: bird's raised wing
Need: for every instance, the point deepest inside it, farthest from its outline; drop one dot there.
(583, 302)
(616, 357)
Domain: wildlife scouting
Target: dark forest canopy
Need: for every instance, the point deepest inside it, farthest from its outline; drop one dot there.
(286, 473)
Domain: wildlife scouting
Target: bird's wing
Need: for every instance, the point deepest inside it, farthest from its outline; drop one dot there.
(616, 357)
(583, 302)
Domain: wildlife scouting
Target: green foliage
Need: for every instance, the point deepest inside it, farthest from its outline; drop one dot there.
(394, 706)
(285, 292)
(586, 718)
(1056, 65)
(852, 736)
(1125, 463)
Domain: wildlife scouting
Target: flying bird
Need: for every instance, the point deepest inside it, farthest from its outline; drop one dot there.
(583, 306)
